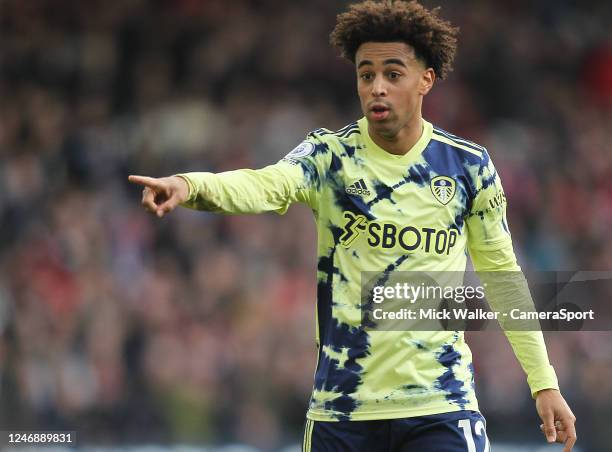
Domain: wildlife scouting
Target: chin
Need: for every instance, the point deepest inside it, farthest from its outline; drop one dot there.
(380, 122)
(384, 126)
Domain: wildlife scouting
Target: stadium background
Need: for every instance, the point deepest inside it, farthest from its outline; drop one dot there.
(199, 328)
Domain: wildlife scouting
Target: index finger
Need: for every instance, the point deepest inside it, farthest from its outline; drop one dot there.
(570, 428)
(144, 180)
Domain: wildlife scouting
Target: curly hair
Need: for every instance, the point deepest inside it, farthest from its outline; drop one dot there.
(433, 39)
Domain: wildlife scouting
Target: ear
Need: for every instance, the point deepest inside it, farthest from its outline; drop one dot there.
(428, 77)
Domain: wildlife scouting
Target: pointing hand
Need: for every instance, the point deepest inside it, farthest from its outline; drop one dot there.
(161, 195)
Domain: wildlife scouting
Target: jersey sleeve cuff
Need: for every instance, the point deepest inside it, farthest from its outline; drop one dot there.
(190, 187)
(542, 378)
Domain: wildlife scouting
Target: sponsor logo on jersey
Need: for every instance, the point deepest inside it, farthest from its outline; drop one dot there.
(388, 235)
(443, 188)
(358, 188)
(498, 200)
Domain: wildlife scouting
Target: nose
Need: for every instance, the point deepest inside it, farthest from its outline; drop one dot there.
(379, 88)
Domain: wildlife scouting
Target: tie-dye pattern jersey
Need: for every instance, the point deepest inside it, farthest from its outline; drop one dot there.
(422, 211)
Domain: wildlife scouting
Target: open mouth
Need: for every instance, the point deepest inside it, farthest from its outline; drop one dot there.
(379, 111)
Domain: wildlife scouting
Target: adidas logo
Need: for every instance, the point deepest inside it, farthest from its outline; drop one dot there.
(358, 188)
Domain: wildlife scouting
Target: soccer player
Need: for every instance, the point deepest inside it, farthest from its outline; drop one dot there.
(390, 192)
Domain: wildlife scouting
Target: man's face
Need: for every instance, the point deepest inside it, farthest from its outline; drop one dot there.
(391, 83)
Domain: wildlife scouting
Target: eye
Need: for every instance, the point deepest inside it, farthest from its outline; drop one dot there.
(366, 76)
(394, 75)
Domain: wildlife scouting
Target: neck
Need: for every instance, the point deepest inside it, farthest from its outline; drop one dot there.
(400, 142)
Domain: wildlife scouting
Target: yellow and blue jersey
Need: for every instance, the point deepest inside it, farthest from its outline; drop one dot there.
(378, 212)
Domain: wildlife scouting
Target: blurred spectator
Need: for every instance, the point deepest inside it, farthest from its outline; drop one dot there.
(200, 327)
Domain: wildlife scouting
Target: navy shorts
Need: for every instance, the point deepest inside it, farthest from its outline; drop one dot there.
(460, 431)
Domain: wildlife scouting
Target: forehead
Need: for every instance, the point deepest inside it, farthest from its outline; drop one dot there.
(377, 52)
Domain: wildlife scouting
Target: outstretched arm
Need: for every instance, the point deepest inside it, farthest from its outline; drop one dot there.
(270, 189)
(297, 177)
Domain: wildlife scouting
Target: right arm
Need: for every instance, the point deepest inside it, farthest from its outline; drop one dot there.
(297, 177)
(272, 188)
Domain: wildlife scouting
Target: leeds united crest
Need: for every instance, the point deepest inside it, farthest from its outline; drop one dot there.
(443, 188)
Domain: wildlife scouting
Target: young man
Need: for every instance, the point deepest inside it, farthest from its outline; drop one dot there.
(389, 193)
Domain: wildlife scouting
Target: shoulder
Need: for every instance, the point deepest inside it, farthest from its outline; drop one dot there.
(465, 147)
(327, 135)
(322, 144)
(452, 154)
(342, 143)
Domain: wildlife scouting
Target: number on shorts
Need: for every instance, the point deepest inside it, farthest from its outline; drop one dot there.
(464, 424)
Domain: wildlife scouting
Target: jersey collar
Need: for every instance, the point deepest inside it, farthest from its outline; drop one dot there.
(380, 154)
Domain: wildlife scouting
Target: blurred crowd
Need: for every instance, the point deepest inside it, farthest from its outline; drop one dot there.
(200, 328)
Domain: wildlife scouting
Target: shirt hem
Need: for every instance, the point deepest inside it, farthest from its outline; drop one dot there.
(322, 416)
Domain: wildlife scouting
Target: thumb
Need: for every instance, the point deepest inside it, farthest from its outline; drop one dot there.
(167, 206)
(549, 426)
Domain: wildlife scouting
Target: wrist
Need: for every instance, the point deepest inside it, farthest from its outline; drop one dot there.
(183, 187)
(547, 390)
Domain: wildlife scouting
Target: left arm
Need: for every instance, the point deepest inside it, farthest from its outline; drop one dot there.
(490, 247)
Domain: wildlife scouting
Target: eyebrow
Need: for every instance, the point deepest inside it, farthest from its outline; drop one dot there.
(389, 61)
